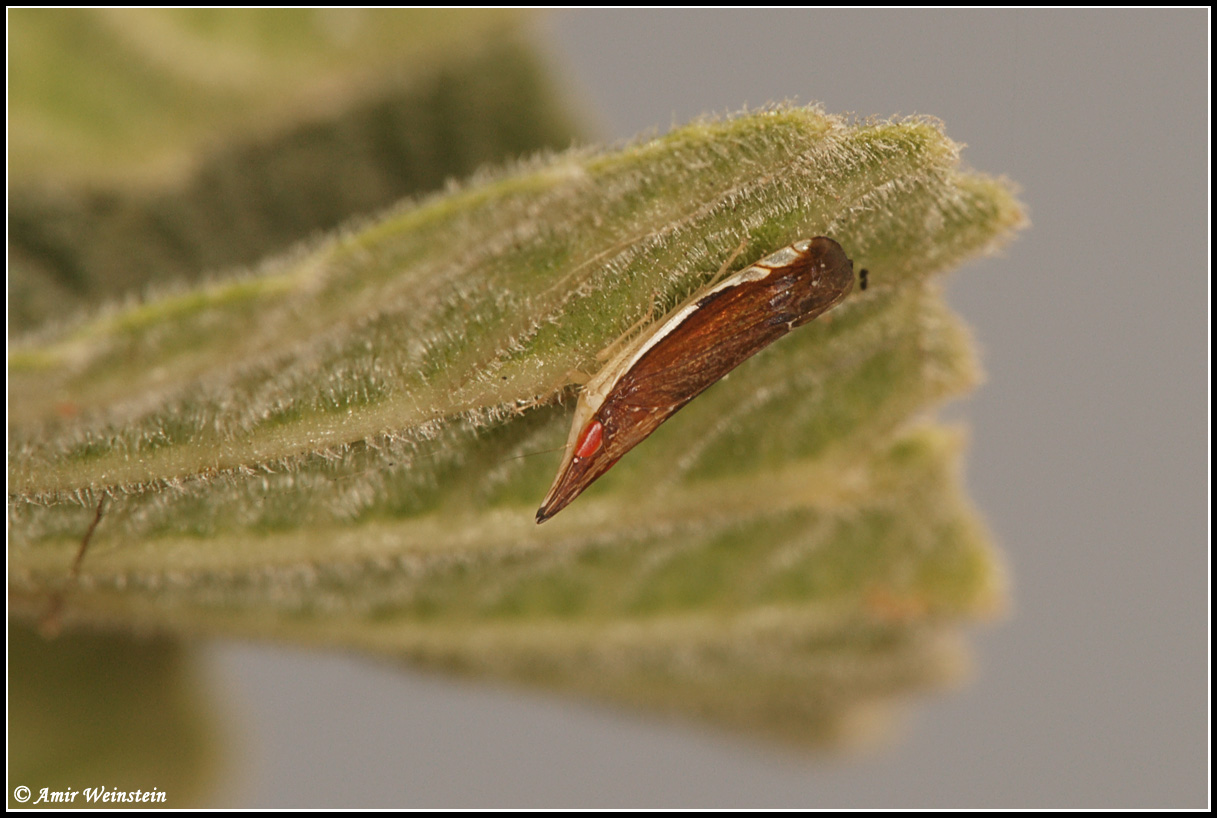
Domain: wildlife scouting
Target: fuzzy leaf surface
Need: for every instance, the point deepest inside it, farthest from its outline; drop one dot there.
(338, 449)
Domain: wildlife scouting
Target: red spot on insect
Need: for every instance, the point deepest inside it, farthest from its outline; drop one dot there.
(590, 440)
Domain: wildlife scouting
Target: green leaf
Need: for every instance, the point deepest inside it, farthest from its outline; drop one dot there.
(112, 95)
(338, 450)
(159, 145)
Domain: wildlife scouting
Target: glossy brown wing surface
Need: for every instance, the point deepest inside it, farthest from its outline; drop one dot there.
(728, 327)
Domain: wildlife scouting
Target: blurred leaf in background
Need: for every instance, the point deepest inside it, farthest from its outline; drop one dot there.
(152, 146)
(116, 710)
(334, 450)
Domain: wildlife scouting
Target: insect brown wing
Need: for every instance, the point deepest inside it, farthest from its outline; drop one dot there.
(733, 323)
(728, 326)
(704, 342)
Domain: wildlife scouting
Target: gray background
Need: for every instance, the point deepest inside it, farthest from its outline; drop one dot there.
(1089, 452)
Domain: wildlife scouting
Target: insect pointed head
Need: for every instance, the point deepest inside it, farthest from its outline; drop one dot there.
(826, 275)
(834, 267)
